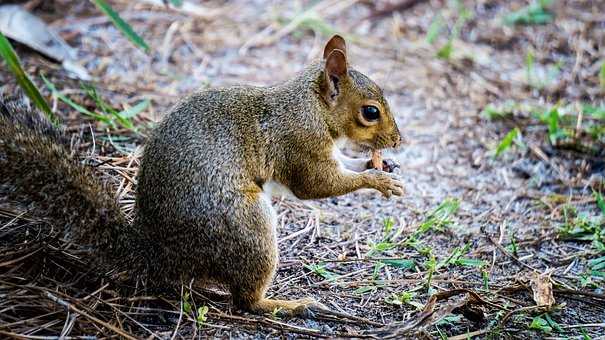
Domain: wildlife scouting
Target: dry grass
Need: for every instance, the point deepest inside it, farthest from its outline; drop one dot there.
(360, 255)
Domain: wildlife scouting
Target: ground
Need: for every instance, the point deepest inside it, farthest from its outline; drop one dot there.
(483, 233)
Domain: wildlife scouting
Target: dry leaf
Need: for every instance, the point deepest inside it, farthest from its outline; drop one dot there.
(541, 286)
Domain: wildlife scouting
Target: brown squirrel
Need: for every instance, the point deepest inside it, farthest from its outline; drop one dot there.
(203, 210)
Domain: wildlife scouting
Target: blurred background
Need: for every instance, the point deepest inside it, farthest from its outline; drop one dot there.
(501, 104)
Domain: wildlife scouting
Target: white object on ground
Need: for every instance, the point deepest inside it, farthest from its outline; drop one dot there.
(24, 27)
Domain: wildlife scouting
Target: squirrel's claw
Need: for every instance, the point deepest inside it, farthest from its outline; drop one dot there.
(309, 307)
(387, 183)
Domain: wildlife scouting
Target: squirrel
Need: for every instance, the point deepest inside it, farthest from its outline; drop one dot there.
(203, 197)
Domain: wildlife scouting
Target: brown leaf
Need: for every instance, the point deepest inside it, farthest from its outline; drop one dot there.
(541, 286)
(432, 313)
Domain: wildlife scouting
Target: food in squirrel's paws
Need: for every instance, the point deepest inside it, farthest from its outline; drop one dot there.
(377, 160)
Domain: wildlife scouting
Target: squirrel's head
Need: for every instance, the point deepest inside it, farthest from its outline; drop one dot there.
(356, 104)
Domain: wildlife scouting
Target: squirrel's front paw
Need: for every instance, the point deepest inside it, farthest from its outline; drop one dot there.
(387, 183)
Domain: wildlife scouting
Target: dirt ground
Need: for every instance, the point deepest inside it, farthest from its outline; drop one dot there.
(473, 230)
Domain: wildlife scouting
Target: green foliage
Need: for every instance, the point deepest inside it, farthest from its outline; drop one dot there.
(121, 25)
(14, 65)
(201, 316)
(276, 312)
(507, 141)
(417, 245)
(317, 25)
(544, 323)
(529, 66)
(403, 298)
(109, 115)
(430, 266)
(388, 239)
(367, 289)
(538, 76)
(602, 75)
(450, 320)
(388, 224)
(581, 227)
(512, 247)
(555, 132)
(446, 51)
(435, 28)
(308, 19)
(562, 121)
(600, 201)
(535, 13)
(186, 303)
(176, 3)
(439, 218)
(456, 258)
(597, 267)
(438, 25)
(320, 269)
(497, 112)
(400, 263)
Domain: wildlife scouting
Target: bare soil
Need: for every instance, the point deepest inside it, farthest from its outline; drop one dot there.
(353, 253)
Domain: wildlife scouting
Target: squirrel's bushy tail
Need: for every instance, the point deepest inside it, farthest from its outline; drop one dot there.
(37, 169)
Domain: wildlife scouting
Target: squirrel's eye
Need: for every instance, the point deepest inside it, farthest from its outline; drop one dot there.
(370, 113)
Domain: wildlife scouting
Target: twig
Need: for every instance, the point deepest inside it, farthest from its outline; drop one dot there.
(505, 252)
(74, 309)
(178, 323)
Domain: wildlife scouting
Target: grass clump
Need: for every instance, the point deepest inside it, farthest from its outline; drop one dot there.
(388, 240)
(438, 25)
(578, 127)
(107, 115)
(440, 218)
(536, 13)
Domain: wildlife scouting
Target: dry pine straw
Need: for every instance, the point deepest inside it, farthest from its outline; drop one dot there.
(46, 287)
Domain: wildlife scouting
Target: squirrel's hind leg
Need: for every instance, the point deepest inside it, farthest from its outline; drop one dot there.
(258, 257)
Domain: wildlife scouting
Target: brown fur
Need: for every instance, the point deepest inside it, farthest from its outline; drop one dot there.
(201, 211)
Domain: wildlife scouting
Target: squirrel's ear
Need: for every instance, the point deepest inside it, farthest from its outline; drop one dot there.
(335, 43)
(335, 70)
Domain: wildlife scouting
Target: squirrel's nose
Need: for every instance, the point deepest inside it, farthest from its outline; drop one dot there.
(399, 140)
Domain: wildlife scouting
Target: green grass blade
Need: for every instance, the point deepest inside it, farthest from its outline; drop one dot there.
(434, 29)
(122, 25)
(602, 75)
(71, 103)
(507, 141)
(8, 53)
(600, 201)
(135, 110)
(400, 263)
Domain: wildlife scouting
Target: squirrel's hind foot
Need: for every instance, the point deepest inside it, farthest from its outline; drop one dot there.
(306, 307)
